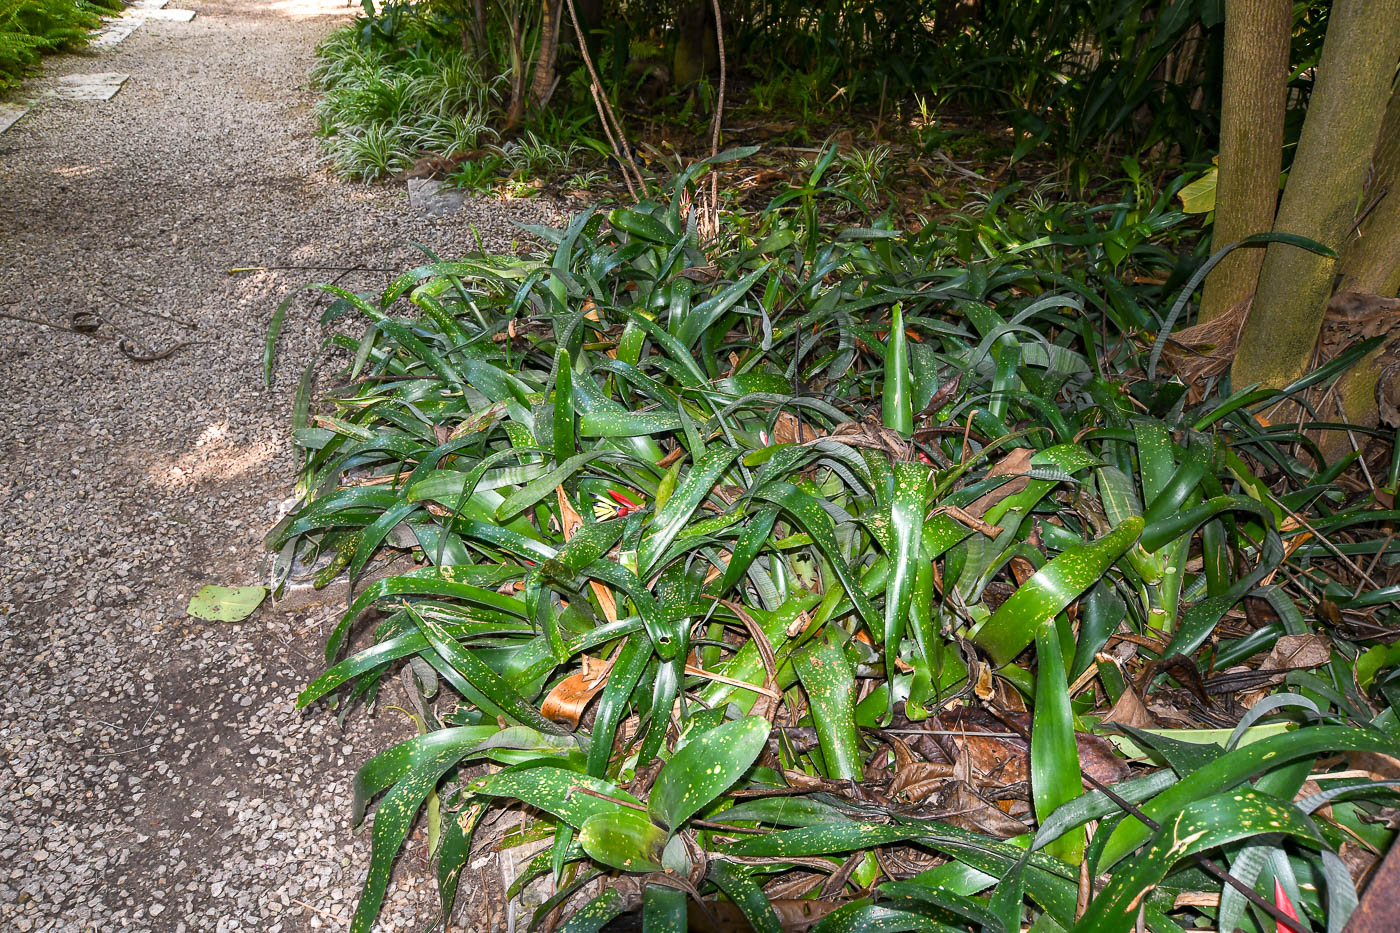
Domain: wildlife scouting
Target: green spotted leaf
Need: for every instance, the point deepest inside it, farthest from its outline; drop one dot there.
(705, 768)
(623, 839)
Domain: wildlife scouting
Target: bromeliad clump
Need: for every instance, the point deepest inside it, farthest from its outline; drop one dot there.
(715, 552)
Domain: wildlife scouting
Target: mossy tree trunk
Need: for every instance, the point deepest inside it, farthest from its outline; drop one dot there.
(1371, 264)
(1371, 260)
(1253, 101)
(1339, 135)
(695, 53)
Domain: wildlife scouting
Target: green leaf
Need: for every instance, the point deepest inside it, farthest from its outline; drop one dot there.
(1013, 626)
(628, 664)
(482, 677)
(571, 796)
(897, 403)
(704, 768)
(958, 907)
(1199, 196)
(830, 682)
(813, 518)
(682, 505)
(1201, 825)
(392, 820)
(1234, 767)
(663, 909)
(738, 885)
(1054, 753)
(596, 914)
(627, 423)
(563, 408)
(864, 917)
(911, 487)
(623, 839)
(226, 603)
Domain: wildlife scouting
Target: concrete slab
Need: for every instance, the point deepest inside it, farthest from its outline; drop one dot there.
(96, 77)
(114, 32)
(434, 197)
(148, 5)
(10, 114)
(168, 16)
(100, 86)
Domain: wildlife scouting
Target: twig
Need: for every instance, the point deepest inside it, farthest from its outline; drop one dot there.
(341, 921)
(715, 121)
(44, 323)
(605, 112)
(941, 156)
(601, 796)
(239, 269)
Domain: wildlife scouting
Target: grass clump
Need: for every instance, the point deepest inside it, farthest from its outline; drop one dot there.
(387, 104)
(723, 554)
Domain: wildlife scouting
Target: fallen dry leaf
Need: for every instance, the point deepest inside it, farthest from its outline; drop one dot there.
(1129, 711)
(567, 701)
(789, 429)
(963, 807)
(995, 753)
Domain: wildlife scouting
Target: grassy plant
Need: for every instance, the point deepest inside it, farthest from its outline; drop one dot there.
(694, 542)
(385, 106)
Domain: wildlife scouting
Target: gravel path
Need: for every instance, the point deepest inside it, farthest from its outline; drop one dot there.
(155, 774)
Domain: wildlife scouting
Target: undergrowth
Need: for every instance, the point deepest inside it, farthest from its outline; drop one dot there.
(388, 104)
(725, 555)
(32, 28)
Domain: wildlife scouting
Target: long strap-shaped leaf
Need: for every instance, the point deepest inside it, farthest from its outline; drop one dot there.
(1199, 826)
(1054, 753)
(808, 513)
(830, 681)
(571, 796)
(907, 502)
(1012, 627)
(429, 581)
(1237, 766)
(479, 675)
(682, 505)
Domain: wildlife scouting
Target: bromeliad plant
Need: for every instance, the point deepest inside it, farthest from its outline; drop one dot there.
(696, 544)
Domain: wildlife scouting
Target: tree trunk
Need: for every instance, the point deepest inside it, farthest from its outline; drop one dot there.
(474, 45)
(1253, 99)
(1371, 264)
(1371, 260)
(1339, 134)
(695, 55)
(545, 71)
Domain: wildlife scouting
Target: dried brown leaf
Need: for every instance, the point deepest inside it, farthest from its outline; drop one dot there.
(567, 701)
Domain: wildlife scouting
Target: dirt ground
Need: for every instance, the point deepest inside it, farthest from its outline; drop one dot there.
(156, 775)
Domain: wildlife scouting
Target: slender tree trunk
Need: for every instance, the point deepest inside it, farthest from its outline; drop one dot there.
(1347, 106)
(1253, 99)
(545, 71)
(474, 40)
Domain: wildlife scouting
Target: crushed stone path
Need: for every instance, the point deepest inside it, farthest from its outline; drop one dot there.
(154, 775)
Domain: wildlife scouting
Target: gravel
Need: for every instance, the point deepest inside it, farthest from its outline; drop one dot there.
(156, 775)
